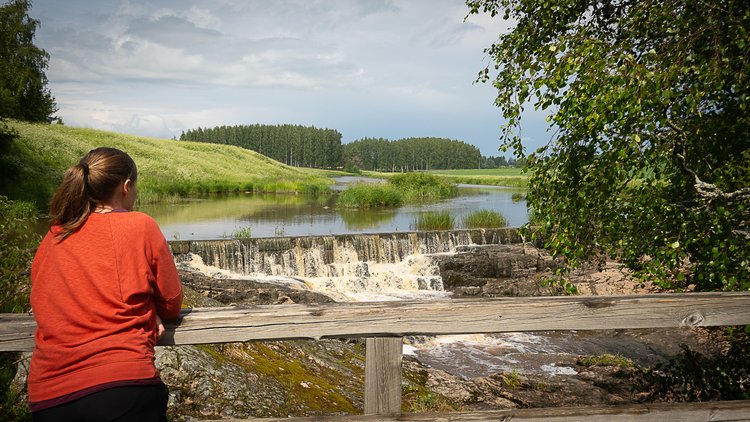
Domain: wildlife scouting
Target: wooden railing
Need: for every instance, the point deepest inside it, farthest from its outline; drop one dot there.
(385, 323)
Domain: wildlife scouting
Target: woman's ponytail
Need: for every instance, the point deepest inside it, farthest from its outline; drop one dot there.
(90, 182)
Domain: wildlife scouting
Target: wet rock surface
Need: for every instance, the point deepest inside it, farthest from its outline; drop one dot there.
(248, 291)
(522, 269)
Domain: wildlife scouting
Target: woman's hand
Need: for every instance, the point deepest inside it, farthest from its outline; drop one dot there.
(159, 328)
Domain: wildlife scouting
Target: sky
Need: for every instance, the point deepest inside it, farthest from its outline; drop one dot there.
(368, 68)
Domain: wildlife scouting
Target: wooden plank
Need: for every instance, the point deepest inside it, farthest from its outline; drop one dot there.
(17, 332)
(653, 412)
(383, 375)
(464, 316)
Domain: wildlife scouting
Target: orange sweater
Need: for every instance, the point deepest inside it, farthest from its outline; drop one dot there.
(95, 297)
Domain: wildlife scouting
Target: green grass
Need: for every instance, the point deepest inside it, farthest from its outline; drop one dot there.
(607, 359)
(242, 233)
(33, 168)
(512, 380)
(412, 188)
(434, 220)
(485, 219)
(511, 177)
(422, 187)
(370, 195)
(505, 172)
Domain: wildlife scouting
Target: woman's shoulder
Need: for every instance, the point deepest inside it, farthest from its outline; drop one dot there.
(135, 218)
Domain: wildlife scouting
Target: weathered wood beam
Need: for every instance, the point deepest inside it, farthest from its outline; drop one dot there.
(652, 412)
(457, 316)
(383, 375)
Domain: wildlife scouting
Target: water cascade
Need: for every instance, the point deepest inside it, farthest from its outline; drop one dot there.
(347, 267)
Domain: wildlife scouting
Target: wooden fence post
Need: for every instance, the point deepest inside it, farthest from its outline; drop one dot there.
(383, 375)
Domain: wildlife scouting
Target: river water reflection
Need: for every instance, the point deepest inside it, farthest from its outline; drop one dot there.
(302, 215)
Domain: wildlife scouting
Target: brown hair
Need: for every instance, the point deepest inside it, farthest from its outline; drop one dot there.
(85, 185)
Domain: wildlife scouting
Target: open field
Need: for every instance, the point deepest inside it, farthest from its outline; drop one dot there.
(511, 177)
(34, 167)
(504, 172)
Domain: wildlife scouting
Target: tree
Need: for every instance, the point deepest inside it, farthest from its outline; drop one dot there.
(649, 105)
(23, 85)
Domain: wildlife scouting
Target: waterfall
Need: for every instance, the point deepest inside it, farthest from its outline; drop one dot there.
(347, 267)
(375, 267)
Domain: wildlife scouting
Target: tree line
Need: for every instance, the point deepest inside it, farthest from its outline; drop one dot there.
(294, 145)
(308, 146)
(411, 154)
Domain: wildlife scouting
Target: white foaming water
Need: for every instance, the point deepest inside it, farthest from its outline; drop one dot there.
(415, 277)
(196, 264)
(478, 355)
(558, 370)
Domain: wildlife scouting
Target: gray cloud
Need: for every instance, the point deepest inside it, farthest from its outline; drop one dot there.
(367, 68)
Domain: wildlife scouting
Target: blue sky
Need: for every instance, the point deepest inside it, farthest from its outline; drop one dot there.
(368, 68)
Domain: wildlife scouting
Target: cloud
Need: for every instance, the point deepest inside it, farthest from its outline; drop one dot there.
(368, 68)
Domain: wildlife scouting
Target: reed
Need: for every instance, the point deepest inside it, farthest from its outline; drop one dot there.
(434, 220)
(369, 195)
(241, 233)
(485, 219)
(422, 187)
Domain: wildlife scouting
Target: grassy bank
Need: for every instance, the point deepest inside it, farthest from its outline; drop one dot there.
(510, 177)
(167, 168)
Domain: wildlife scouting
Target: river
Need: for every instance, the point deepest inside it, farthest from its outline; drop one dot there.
(270, 215)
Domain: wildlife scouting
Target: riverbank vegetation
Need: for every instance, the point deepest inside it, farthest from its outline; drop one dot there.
(18, 241)
(34, 165)
(411, 188)
(506, 177)
(370, 195)
(434, 220)
(509, 176)
(648, 102)
(485, 219)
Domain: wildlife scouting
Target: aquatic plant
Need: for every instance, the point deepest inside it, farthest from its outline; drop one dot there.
(434, 220)
(241, 233)
(422, 187)
(485, 219)
(367, 195)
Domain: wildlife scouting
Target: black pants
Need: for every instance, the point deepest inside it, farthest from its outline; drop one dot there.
(142, 403)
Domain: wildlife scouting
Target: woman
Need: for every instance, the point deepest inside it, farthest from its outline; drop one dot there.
(101, 280)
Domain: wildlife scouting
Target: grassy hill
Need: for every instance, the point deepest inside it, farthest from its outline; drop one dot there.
(40, 155)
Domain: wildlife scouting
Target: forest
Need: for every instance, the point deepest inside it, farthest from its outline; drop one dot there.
(294, 145)
(411, 154)
(308, 146)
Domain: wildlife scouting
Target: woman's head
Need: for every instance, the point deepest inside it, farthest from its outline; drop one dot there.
(96, 180)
